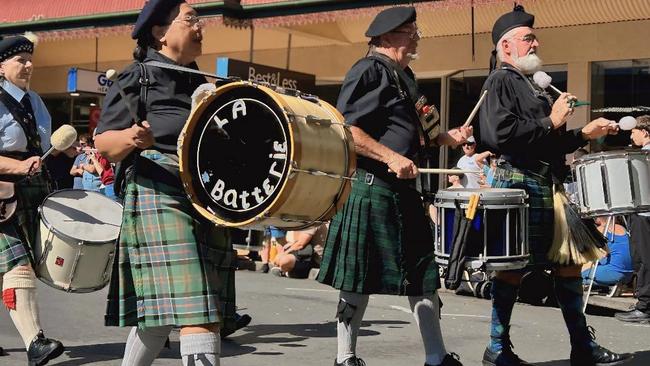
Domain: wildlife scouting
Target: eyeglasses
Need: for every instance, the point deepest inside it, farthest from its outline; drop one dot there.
(528, 38)
(413, 35)
(469, 144)
(191, 20)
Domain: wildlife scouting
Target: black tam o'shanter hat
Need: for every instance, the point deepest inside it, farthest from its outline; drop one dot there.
(516, 18)
(11, 46)
(154, 12)
(390, 19)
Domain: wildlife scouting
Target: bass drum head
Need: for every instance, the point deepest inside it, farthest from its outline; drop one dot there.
(234, 154)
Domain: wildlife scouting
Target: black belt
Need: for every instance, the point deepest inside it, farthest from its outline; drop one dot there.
(371, 179)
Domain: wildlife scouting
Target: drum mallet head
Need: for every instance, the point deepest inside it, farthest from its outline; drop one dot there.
(627, 123)
(61, 139)
(111, 75)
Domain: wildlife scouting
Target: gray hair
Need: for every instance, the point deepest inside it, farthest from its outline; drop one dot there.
(506, 37)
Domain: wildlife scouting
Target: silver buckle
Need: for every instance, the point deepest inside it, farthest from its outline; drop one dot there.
(370, 178)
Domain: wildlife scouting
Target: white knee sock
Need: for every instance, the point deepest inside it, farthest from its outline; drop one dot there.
(200, 349)
(426, 310)
(350, 312)
(19, 295)
(144, 345)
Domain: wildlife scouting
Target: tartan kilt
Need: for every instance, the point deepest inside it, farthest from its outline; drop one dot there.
(172, 266)
(380, 243)
(540, 209)
(18, 235)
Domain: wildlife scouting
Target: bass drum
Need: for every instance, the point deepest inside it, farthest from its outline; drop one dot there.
(252, 157)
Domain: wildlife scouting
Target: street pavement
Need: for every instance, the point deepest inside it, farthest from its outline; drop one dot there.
(293, 324)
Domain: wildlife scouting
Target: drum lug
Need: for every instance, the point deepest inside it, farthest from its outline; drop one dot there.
(318, 173)
(74, 267)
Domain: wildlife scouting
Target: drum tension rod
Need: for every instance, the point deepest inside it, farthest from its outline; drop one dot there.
(295, 168)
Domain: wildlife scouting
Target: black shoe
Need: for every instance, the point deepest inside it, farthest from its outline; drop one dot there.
(265, 268)
(352, 361)
(635, 316)
(42, 350)
(240, 322)
(2, 352)
(504, 358)
(595, 355)
(451, 359)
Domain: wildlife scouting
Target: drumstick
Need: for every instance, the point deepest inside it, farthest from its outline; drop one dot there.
(475, 110)
(111, 75)
(447, 171)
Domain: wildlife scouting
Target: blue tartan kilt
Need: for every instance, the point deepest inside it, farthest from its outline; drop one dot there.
(381, 242)
(540, 209)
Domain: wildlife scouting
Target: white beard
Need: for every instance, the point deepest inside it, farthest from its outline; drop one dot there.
(528, 64)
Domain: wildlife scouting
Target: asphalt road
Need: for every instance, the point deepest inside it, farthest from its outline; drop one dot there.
(293, 324)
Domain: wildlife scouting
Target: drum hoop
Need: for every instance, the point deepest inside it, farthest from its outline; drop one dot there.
(610, 155)
(62, 235)
(183, 150)
(446, 204)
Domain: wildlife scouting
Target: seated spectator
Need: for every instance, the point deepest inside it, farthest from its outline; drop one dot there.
(488, 164)
(303, 251)
(455, 179)
(274, 241)
(617, 265)
(468, 162)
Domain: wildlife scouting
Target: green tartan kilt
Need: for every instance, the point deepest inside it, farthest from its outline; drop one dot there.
(18, 235)
(540, 209)
(173, 267)
(381, 243)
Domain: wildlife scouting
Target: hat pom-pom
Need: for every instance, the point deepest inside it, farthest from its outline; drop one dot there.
(32, 37)
(518, 7)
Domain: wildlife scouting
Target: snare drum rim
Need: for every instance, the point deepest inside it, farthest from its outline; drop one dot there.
(62, 235)
(605, 155)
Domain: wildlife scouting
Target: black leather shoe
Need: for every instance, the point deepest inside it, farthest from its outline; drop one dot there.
(451, 359)
(598, 356)
(595, 355)
(504, 358)
(42, 350)
(240, 322)
(352, 361)
(634, 316)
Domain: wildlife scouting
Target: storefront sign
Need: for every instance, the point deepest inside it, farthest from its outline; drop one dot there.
(262, 73)
(80, 80)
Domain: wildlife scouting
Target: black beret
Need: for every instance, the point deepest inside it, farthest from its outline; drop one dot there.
(155, 12)
(516, 18)
(391, 19)
(14, 45)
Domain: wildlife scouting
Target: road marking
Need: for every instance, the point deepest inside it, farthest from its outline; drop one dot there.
(309, 289)
(408, 311)
(401, 308)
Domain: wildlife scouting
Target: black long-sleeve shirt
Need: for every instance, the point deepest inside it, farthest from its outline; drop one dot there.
(515, 121)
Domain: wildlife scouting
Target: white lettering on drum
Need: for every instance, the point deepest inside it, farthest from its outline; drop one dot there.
(220, 122)
(217, 190)
(230, 198)
(268, 188)
(280, 147)
(256, 194)
(244, 202)
(238, 106)
(273, 172)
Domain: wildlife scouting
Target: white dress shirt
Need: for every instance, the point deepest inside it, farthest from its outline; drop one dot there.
(12, 136)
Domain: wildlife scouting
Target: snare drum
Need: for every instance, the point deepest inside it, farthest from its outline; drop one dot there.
(498, 236)
(252, 157)
(613, 182)
(76, 242)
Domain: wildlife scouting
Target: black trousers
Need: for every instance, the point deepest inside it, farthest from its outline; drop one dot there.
(640, 252)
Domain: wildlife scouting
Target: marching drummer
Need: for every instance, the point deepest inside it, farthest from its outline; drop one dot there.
(26, 126)
(527, 126)
(173, 268)
(381, 241)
